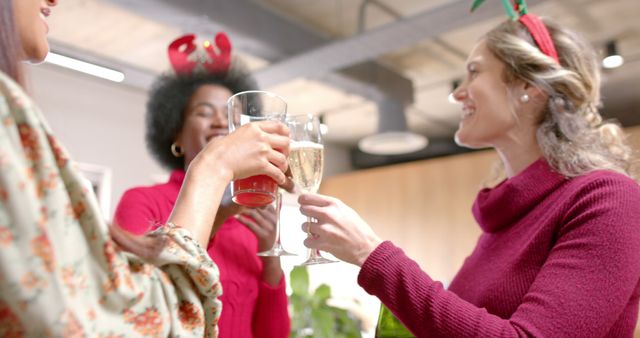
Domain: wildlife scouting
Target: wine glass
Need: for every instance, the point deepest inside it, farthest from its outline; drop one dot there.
(306, 157)
(277, 249)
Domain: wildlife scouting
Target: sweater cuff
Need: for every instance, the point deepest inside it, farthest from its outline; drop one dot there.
(271, 316)
(375, 265)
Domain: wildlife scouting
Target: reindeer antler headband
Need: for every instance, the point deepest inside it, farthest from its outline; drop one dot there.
(181, 49)
(535, 26)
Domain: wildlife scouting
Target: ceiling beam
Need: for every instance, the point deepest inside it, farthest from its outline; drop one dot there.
(264, 33)
(371, 44)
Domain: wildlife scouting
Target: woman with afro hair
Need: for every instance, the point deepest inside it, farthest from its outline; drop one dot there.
(184, 112)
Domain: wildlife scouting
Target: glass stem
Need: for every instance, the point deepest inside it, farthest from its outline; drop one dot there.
(313, 253)
(278, 209)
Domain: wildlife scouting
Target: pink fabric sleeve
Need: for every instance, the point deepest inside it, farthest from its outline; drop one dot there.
(135, 212)
(271, 317)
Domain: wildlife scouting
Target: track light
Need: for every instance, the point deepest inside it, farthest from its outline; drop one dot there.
(84, 67)
(454, 84)
(612, 58)
(324, 129)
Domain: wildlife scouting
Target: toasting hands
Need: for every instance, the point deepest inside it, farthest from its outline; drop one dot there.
(339, 229)
(258, 148)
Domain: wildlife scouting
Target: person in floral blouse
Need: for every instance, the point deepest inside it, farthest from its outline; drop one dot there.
(62, 272)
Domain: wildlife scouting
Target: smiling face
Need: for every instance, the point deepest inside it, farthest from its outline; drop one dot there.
(30, 17)
(205, 118)
(488, 111)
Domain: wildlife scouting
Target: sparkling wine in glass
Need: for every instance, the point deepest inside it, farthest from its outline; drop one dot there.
(306, 157)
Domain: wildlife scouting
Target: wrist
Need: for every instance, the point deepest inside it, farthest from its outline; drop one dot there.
(271, 263)
(367, 251)
(271, 270)
(210, 166)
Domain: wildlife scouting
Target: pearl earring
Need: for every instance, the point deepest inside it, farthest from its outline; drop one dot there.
(524, 98)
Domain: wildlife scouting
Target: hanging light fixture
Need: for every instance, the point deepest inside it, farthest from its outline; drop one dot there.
(454, 84)
(393, 136)
(324, 129)
(612, 59)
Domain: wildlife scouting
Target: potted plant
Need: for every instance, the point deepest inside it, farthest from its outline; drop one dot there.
(312, 316)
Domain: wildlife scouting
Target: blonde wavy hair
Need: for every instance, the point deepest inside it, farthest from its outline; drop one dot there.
(572, 135)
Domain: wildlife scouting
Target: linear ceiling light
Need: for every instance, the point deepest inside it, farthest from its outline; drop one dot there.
(85, 67)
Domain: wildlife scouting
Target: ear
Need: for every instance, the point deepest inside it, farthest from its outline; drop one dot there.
(534, 92)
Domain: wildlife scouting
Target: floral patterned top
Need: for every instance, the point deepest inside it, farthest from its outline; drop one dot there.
(60, 272)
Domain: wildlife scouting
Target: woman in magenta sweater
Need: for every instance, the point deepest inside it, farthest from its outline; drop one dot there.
(559, 255)
(186, 110)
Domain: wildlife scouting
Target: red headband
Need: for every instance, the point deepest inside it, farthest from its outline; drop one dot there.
(181, 48)
(535, 26)
(540, 35)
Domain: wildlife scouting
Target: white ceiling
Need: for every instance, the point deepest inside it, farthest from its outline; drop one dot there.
(133, 35)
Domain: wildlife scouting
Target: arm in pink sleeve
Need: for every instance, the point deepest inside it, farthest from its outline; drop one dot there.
(271, 316)
(585, 284)
(136, 212)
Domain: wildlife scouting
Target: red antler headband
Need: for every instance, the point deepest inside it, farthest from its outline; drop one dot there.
(535, 26)
(181, 48)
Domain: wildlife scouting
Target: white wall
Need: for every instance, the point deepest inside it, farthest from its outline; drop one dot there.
(98, 121)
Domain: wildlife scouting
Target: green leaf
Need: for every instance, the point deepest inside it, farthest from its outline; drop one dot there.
(322, 293)
(322, 323)
(476, 4)
(298, 303)
(347, 324)
(297, 323)
(300, 280)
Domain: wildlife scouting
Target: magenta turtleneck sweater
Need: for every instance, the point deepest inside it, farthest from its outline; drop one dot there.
(557, 258)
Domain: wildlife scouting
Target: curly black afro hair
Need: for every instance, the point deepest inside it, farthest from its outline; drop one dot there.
(168, 99)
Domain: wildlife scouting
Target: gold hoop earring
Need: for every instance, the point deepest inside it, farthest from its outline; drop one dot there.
(177, 150)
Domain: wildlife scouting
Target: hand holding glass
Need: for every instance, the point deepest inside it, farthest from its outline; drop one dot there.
(253, 106)
(306, 156)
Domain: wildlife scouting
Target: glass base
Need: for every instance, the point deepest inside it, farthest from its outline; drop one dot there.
(276, 252)
(317, 260)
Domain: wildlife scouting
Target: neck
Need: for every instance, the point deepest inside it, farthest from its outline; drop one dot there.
(516, 156)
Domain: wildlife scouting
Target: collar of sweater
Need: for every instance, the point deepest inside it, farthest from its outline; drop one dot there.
(177, 177)
(501, 206)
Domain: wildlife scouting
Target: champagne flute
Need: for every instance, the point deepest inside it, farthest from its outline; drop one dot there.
(277, 249)
(306, 156)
